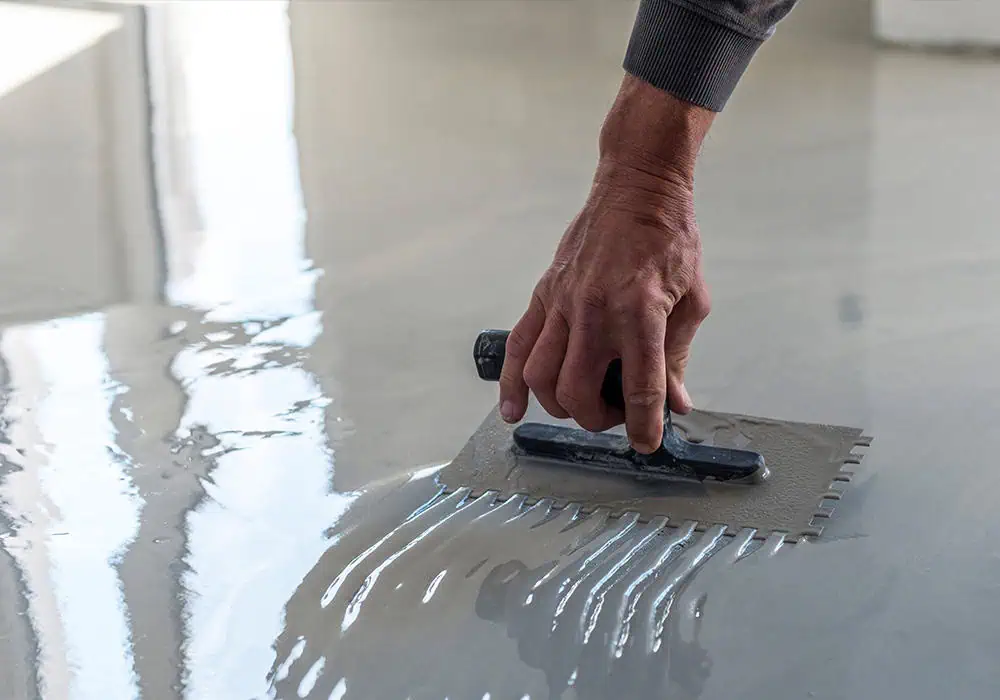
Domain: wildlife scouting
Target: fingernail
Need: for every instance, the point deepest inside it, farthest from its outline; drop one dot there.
(507, 411)
(644, 448)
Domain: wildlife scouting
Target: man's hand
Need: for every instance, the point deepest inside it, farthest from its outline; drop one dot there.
(626, 279)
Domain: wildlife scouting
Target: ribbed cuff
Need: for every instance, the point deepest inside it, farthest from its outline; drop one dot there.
(686, 54)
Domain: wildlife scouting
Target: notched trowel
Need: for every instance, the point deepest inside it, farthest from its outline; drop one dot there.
(676, 458)
(709, 470)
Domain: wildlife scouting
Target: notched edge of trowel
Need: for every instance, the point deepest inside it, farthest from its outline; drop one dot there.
(835, 492)
(824, 509)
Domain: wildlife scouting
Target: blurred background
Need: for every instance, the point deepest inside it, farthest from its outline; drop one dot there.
(245, 247)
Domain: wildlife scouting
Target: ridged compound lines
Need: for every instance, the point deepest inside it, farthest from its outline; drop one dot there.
(598, 605)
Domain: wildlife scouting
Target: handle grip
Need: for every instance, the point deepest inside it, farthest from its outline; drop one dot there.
(490, 350)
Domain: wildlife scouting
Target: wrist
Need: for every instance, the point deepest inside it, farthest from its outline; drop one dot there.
(651, 134)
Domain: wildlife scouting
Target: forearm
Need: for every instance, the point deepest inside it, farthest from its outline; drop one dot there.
(651, 135)
(697, 50)
(683, 62)
(648, 147)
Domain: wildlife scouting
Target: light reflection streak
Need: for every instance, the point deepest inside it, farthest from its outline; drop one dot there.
(232, 109)
(254, 416)
(250, 486)
(74, 506)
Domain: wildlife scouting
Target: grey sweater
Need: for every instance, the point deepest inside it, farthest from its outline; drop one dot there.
(697, 50)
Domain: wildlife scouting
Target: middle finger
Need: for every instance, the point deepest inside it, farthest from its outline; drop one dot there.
(579, 388)
(541, 371)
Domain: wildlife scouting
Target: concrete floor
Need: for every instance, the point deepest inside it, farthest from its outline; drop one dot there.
(226, 316)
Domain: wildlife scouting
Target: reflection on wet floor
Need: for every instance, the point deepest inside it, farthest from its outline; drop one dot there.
(147, 448)
(602, 608)
(239, 293)
(113, 518)
(447, 601)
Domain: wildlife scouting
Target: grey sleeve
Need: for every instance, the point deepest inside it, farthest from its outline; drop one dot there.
(697, 50)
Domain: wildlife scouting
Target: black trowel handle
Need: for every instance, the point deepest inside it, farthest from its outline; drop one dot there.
(491, 348)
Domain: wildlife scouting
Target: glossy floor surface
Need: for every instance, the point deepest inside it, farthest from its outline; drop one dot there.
(245, 250)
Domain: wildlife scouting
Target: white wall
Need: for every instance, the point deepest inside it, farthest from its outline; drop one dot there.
(77, 227)
(949, 23)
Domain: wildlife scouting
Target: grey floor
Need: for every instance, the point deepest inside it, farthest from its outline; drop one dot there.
(226, 316)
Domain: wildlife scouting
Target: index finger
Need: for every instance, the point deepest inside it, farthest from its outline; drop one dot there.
(513, 389)
(644, 379)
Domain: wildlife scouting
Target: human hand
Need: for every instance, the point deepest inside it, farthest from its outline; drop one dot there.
(626, 281)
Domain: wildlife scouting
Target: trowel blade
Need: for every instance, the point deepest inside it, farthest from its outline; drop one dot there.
(808, 464)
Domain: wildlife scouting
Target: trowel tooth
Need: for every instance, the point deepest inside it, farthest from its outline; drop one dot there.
(853, 458)
(825, 512)
(640, 517)
(832, 496)
(863, 441)
(732, 530)
(492, 494)
(559, 518)
(773, 542)
(660, 522)
(572, 510)
(562, 503)
(613, 514)
(541, 505)
(503, 496)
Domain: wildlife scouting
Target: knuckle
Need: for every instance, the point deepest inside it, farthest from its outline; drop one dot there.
(531, 376)
(701, 304)
(587, 416)
(567, 398)
(549, 277)
(518, 344)
(677, 360)
(646, 396)
(544, 286)
(536, 378)
(669, 297)
(586, 413)
(644, 302)
(509, 379)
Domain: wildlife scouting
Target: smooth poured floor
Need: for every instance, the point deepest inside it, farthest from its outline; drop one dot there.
(245, 250)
